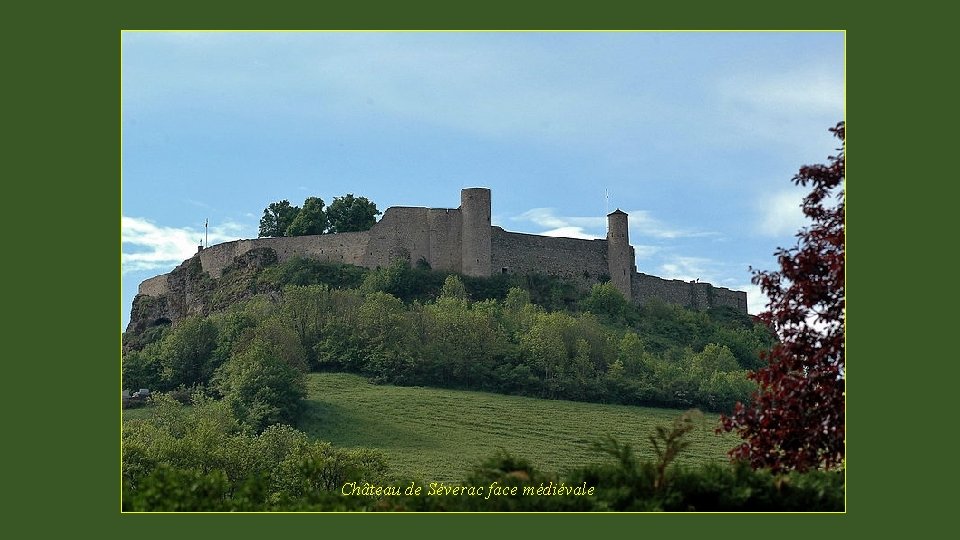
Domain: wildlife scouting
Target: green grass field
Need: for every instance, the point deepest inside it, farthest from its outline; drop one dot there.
(440, 435)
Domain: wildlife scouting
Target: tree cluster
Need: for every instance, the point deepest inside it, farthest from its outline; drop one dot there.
(259, 373)
(345, 214)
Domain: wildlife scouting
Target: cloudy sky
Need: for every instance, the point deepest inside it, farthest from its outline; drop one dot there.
(695, 135)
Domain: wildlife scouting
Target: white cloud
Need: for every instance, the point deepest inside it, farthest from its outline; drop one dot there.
(780, 213)
(643, 251)
(570, 232)
(642, 225)
(563, 226)
(686, 268)
(756, 300)
(147, 246)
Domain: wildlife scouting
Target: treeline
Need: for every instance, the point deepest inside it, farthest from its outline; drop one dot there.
(345, 214)
(200, 458)
(533, 336)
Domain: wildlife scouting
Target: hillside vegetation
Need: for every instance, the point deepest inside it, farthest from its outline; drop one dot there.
(278, 371)
(535, 335)
(297, 378)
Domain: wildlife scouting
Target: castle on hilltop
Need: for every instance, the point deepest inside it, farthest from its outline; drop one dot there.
(463, 240)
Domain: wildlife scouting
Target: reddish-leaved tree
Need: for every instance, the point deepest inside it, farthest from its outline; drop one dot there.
(796, 419)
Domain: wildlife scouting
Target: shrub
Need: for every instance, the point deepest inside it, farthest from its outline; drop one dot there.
(260, 387)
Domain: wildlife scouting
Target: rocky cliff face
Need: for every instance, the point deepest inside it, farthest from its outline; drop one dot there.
(191, 291)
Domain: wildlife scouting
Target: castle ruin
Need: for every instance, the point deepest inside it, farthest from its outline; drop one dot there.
(463, 240)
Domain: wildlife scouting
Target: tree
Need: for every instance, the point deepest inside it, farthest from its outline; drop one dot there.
(142, 369)
(796, 419)
(261, 388)
(277, 217)
(349, 214)
(453, 288)
(606, 300)
(186, 353)
(517, 298)
(311, 220)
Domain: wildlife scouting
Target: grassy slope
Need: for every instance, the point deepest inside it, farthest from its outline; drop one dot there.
(431, 434)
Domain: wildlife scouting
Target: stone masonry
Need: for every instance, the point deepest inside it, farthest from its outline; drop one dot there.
(462, 240)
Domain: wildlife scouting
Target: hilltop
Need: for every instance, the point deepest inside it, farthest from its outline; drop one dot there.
(453, 240)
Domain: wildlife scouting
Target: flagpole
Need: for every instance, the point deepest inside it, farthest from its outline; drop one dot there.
(206, 235)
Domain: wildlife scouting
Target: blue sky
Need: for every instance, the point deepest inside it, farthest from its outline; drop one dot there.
(695, 134)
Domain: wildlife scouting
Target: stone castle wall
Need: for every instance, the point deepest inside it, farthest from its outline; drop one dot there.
(518, 253)
(693, 295)
(155, 286)
(412, 234)
(344, 248)
(445, 234)
(431, 234)
(402, 233)
(438, 236)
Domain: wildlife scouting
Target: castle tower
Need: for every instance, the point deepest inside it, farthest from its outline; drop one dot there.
(618, 252)
(475, 232)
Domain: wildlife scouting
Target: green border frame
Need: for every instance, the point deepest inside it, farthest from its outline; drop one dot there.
(66, 66)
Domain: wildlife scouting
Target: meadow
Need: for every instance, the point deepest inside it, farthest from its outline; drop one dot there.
(431, 434)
